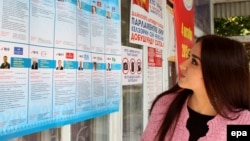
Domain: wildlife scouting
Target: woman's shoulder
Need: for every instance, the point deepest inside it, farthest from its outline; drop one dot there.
(244, 117)
(163, 101)
(166, 98)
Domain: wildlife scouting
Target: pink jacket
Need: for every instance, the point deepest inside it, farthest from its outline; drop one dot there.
(217, 126)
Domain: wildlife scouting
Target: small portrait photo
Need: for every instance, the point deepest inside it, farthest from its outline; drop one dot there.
(79, 4)
(94, 66)
(34, 64)
(108, 14)
(59, 65)
(93, 9)
(108, 67)
(80, 65)
(5, 64)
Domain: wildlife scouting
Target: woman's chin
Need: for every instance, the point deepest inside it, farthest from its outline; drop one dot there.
(180, 84)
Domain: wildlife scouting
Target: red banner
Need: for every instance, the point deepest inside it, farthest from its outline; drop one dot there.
(184, 25)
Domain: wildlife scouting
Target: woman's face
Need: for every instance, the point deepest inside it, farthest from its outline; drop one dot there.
(93, 9)
(59, 63)
(190, 76)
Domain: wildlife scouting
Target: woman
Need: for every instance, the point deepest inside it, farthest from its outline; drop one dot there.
(59, 67)
(213, 91)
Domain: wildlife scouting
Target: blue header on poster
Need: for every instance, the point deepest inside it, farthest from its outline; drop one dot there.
(102, 12)
(70, 64)
(86, 7)
(87, 65)
(20, 62)
(101, 66)
(116, 66)
(43, 63)
(71, 1)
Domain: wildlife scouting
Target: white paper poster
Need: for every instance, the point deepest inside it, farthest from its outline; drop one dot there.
(42, 22)
(98, 82)
(84, 72)
(113, 81)
(40, 84)
(14, 20)
(131, 66)
(14, 86)
(83, 25)
(97, 20)
(155, 74)
(112, 30)
(146, 23)
(64, 83)
(65, 24)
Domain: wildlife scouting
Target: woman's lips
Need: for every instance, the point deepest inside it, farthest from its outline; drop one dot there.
(181, 75)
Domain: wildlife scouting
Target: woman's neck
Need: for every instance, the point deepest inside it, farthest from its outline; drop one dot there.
(201, 104)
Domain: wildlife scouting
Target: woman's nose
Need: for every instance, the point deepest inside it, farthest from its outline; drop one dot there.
(183, 65)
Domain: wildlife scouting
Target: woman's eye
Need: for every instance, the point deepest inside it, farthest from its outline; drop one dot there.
(194, 62)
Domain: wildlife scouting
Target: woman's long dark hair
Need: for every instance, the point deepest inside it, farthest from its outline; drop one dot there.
(225, 69)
